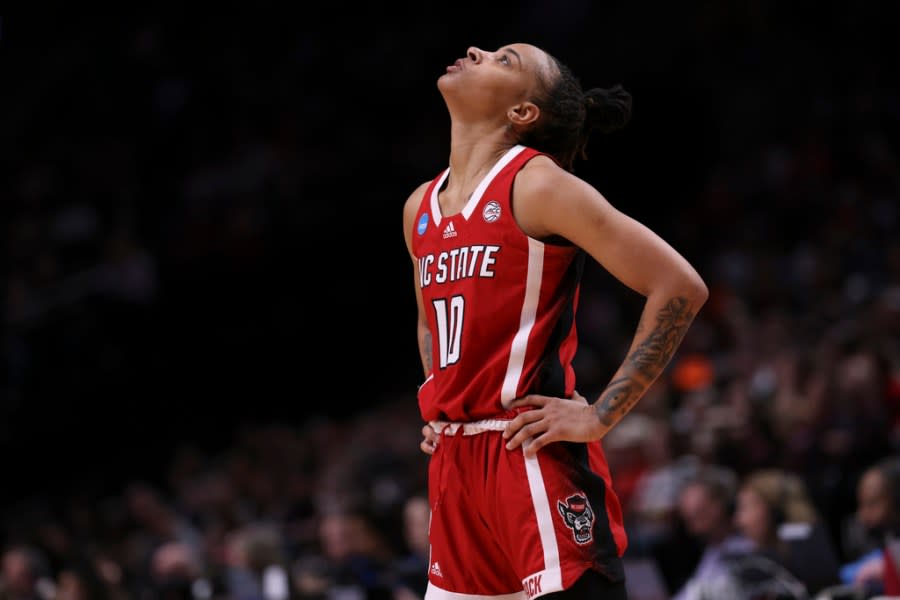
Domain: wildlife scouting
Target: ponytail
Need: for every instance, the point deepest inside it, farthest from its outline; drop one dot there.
(569, 115)
(608, 109)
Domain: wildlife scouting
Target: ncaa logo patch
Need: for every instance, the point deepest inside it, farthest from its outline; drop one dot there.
(423, 223)
(491, 211)
(578, 516)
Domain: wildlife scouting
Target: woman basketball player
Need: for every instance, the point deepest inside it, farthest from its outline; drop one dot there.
(521, 500)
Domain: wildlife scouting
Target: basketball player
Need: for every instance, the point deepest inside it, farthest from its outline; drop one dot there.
(521, 499)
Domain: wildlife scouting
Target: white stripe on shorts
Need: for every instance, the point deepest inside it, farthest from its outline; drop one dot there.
(551, 576)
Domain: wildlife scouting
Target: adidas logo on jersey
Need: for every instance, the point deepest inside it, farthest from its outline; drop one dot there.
(449, 231)
(436, 570)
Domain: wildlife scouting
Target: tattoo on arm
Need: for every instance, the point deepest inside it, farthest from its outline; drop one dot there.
(426, 351)
(646, 361)
(652, 354)
(618, 397)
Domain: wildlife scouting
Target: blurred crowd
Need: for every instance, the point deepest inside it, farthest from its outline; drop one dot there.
(156, 188)
(329, 510)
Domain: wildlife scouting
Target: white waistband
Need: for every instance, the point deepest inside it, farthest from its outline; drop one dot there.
(473, 428)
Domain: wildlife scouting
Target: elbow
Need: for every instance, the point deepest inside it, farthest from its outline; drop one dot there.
(685, 285)
(688, 286)
(696, 290)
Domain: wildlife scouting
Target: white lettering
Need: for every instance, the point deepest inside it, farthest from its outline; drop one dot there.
(476, 252)
(441, 276)
(424, 270)
(461, 263)
(488, 260)
(453, 254)
(457, 264)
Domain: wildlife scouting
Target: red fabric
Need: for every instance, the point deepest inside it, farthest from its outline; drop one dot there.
(501, 523)
(481, 278)
(891, 575)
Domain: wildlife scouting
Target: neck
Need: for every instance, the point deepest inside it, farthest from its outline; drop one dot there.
(474, 149)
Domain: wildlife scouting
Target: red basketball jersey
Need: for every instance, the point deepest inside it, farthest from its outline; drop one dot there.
(500, 304)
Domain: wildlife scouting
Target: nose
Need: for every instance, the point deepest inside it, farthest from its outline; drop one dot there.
(474, 54)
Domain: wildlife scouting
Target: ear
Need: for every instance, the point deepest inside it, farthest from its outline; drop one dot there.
(523, 114)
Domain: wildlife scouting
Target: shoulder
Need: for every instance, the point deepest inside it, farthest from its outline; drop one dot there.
(544, 179)
(414, 201)
(547, 198)
(411, 207)
(416, 196)
(541, 172)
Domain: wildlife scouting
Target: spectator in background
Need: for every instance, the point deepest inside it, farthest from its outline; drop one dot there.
(354, 559)
(411, 569)
(706, 505)
(775, 512)
(22, 576)
(256, 564)
(80, 580)
(651, 475)
(878, 514)
(174, 570)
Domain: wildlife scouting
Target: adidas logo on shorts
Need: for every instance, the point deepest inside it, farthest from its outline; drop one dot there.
(436, 570)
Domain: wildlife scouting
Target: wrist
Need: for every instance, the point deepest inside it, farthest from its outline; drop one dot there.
(597, 427)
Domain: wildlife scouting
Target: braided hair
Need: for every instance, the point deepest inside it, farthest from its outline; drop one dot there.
(569, 115)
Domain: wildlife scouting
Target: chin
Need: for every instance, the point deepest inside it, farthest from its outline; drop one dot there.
(445, 86)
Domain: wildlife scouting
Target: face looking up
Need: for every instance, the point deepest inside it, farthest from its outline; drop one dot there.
(487, 84)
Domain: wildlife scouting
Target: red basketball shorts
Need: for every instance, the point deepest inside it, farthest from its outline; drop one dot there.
(510, 527)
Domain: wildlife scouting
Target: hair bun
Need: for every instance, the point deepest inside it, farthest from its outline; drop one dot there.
(608, 109)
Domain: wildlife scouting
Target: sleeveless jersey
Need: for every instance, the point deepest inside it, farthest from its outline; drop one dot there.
(500, 304)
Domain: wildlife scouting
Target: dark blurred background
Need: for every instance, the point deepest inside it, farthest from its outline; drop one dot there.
(206, 285)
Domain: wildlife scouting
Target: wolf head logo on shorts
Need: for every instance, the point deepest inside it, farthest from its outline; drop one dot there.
(578, 516)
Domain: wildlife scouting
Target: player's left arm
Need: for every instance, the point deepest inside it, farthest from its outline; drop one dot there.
(549, 201)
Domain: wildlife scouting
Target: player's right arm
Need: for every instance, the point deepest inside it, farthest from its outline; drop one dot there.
(423, 334)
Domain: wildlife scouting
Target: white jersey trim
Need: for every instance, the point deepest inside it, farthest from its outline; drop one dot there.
(475, 198)
(487, 179)
(526, 322)
(435, 205)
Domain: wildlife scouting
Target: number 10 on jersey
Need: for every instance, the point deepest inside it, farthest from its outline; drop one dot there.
(449, 320)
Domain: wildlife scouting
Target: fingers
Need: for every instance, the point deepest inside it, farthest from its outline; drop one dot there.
(431, 435)
(526, 432)
(429, 444)
(531, 448)
(529, 400)
(531, 445)
(520, 421)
